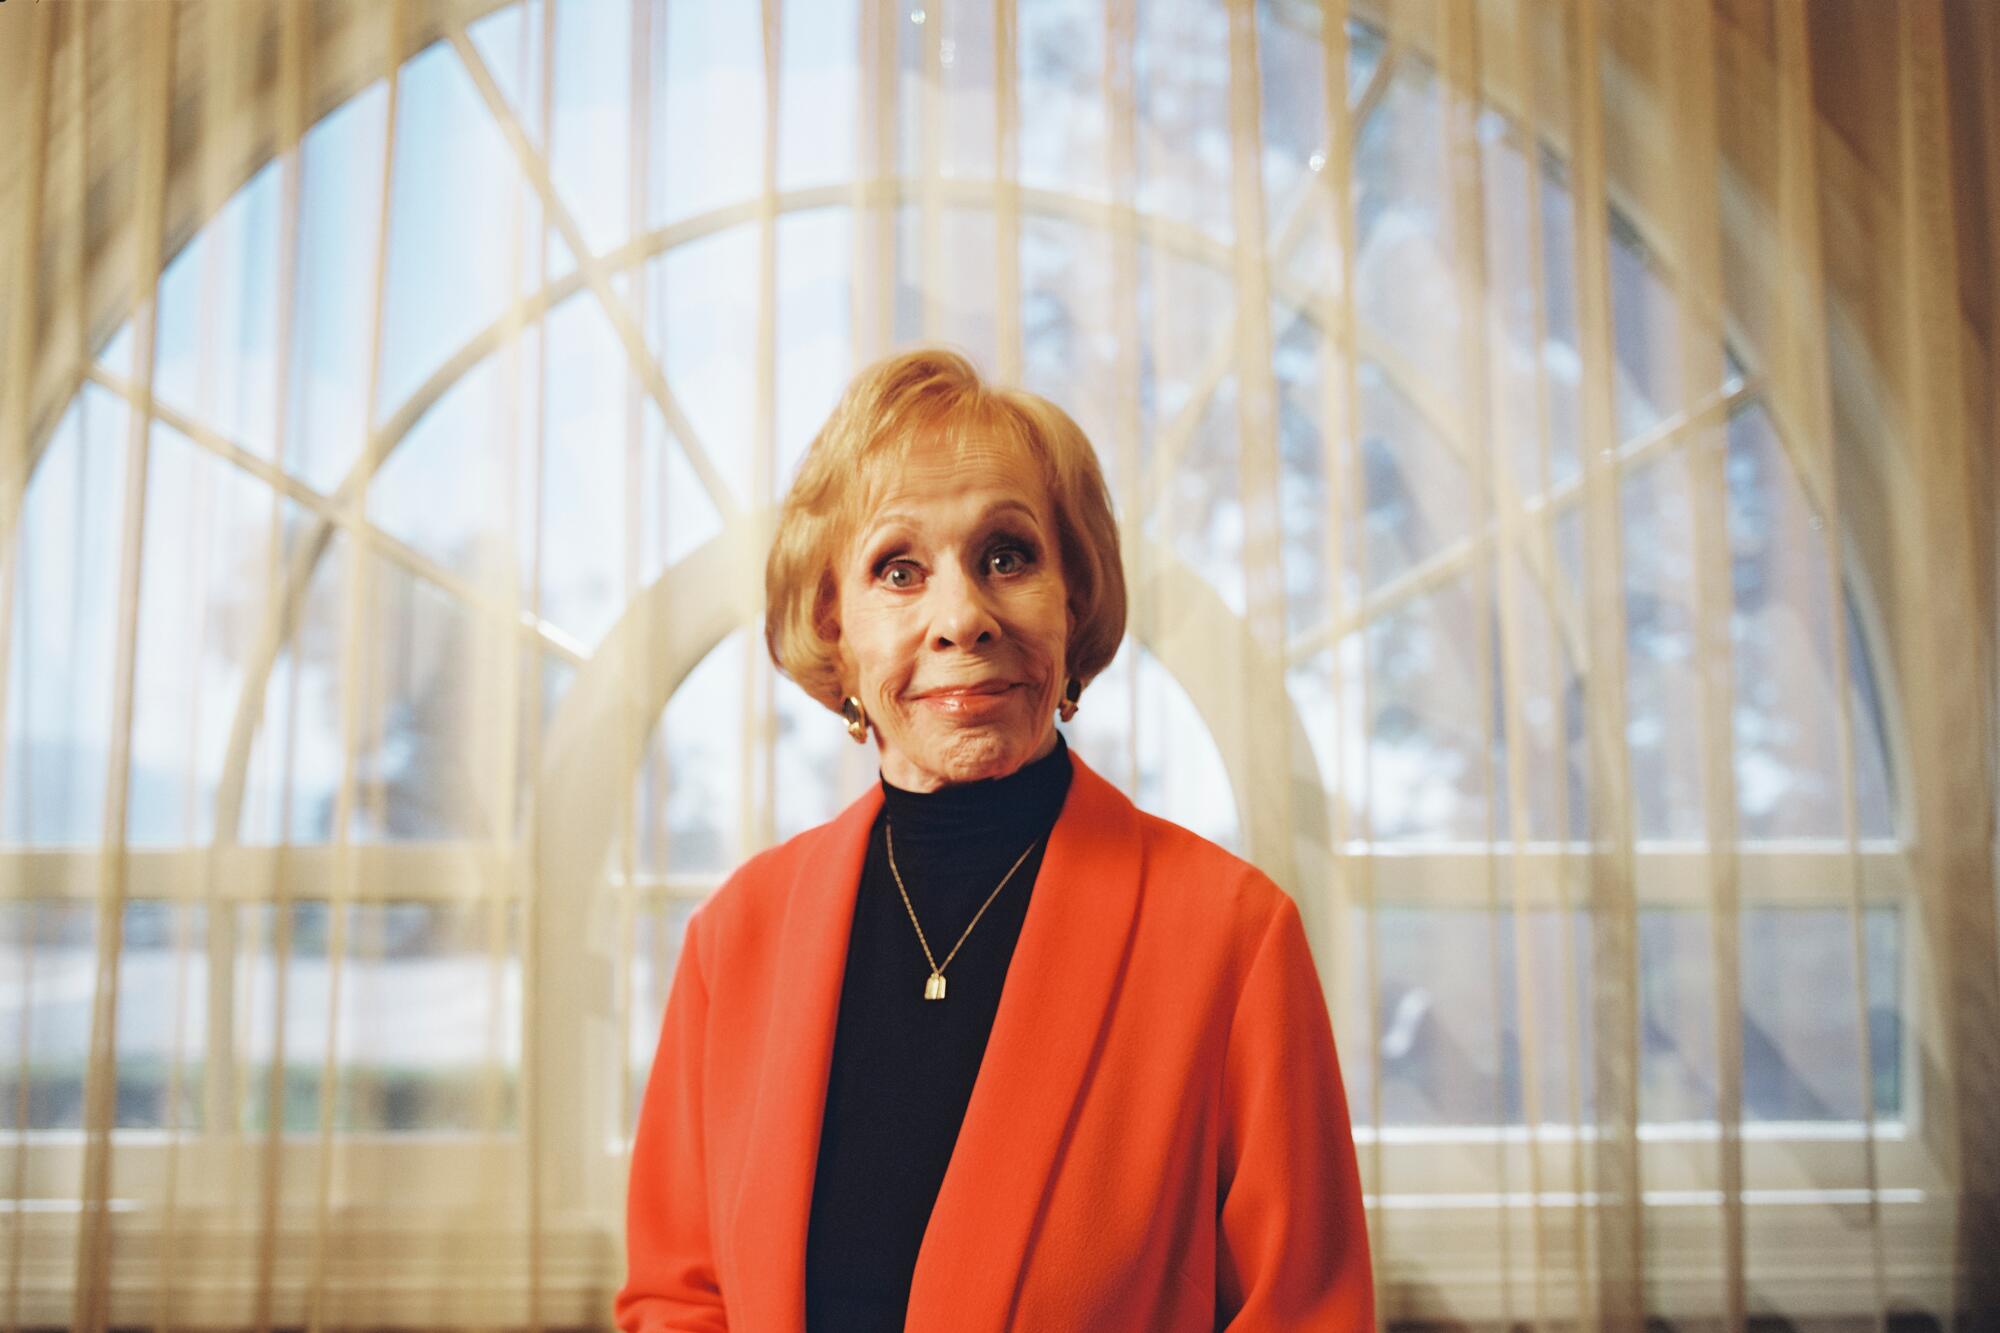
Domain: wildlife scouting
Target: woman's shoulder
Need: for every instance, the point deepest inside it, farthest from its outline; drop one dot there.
(757, 887)
(1205, 915)
(1170, 854)
(1195, 877)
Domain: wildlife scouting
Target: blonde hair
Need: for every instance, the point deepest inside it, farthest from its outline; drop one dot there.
(932, 394)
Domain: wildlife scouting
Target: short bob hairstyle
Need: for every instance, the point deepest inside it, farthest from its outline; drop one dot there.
(932, 394)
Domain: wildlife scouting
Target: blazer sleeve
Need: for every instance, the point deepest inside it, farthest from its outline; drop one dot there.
(671, 1284)
(1293, 1238)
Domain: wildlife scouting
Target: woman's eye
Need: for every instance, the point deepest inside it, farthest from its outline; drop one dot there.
(1009, 560)
(900, 574)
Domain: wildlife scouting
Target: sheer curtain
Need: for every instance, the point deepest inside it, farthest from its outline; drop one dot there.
(1554, 447)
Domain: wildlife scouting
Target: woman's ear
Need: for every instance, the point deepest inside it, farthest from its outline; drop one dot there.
(826, 611)
(843, 660)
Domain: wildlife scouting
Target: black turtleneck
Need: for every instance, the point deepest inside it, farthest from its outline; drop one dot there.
(903, 1066)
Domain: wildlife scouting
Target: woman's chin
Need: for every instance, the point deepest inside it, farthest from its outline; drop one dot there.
(974, 751)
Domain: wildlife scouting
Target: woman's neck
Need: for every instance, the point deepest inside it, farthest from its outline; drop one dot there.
(1021, 805)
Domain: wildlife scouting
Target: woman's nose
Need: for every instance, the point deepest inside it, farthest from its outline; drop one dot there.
(961, 615)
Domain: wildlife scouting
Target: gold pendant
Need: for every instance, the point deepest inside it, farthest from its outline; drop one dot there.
(934, 987)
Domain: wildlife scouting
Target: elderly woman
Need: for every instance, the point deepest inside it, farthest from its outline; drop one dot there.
(991, 1048)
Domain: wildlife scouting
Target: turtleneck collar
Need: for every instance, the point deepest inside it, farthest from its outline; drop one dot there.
(1023, 804)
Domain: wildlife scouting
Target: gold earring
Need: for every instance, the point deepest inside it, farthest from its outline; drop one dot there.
(857, 719)
(1067, 709)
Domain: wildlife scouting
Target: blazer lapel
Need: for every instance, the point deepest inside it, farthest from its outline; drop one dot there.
(774, 1199)
(1060, 982)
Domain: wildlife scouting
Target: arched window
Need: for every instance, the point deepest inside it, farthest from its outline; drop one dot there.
(529, 339)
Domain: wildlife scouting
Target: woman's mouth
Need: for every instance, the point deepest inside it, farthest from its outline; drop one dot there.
(971, 702)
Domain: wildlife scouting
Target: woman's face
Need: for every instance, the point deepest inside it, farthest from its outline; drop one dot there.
(954, 617)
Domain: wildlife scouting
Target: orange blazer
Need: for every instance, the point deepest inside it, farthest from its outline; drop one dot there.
(1157, 1139)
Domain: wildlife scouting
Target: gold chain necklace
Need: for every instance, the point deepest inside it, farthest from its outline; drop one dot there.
(934, 984)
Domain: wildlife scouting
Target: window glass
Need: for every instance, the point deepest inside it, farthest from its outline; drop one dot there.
(428, 1037)
(208, 574)
(59, 695)
(1453, 1049)
(459, 222)
(215, 339)
(48, 965)
(340, 209)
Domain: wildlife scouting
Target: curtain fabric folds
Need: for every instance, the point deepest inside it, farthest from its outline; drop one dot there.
(1554, 448)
